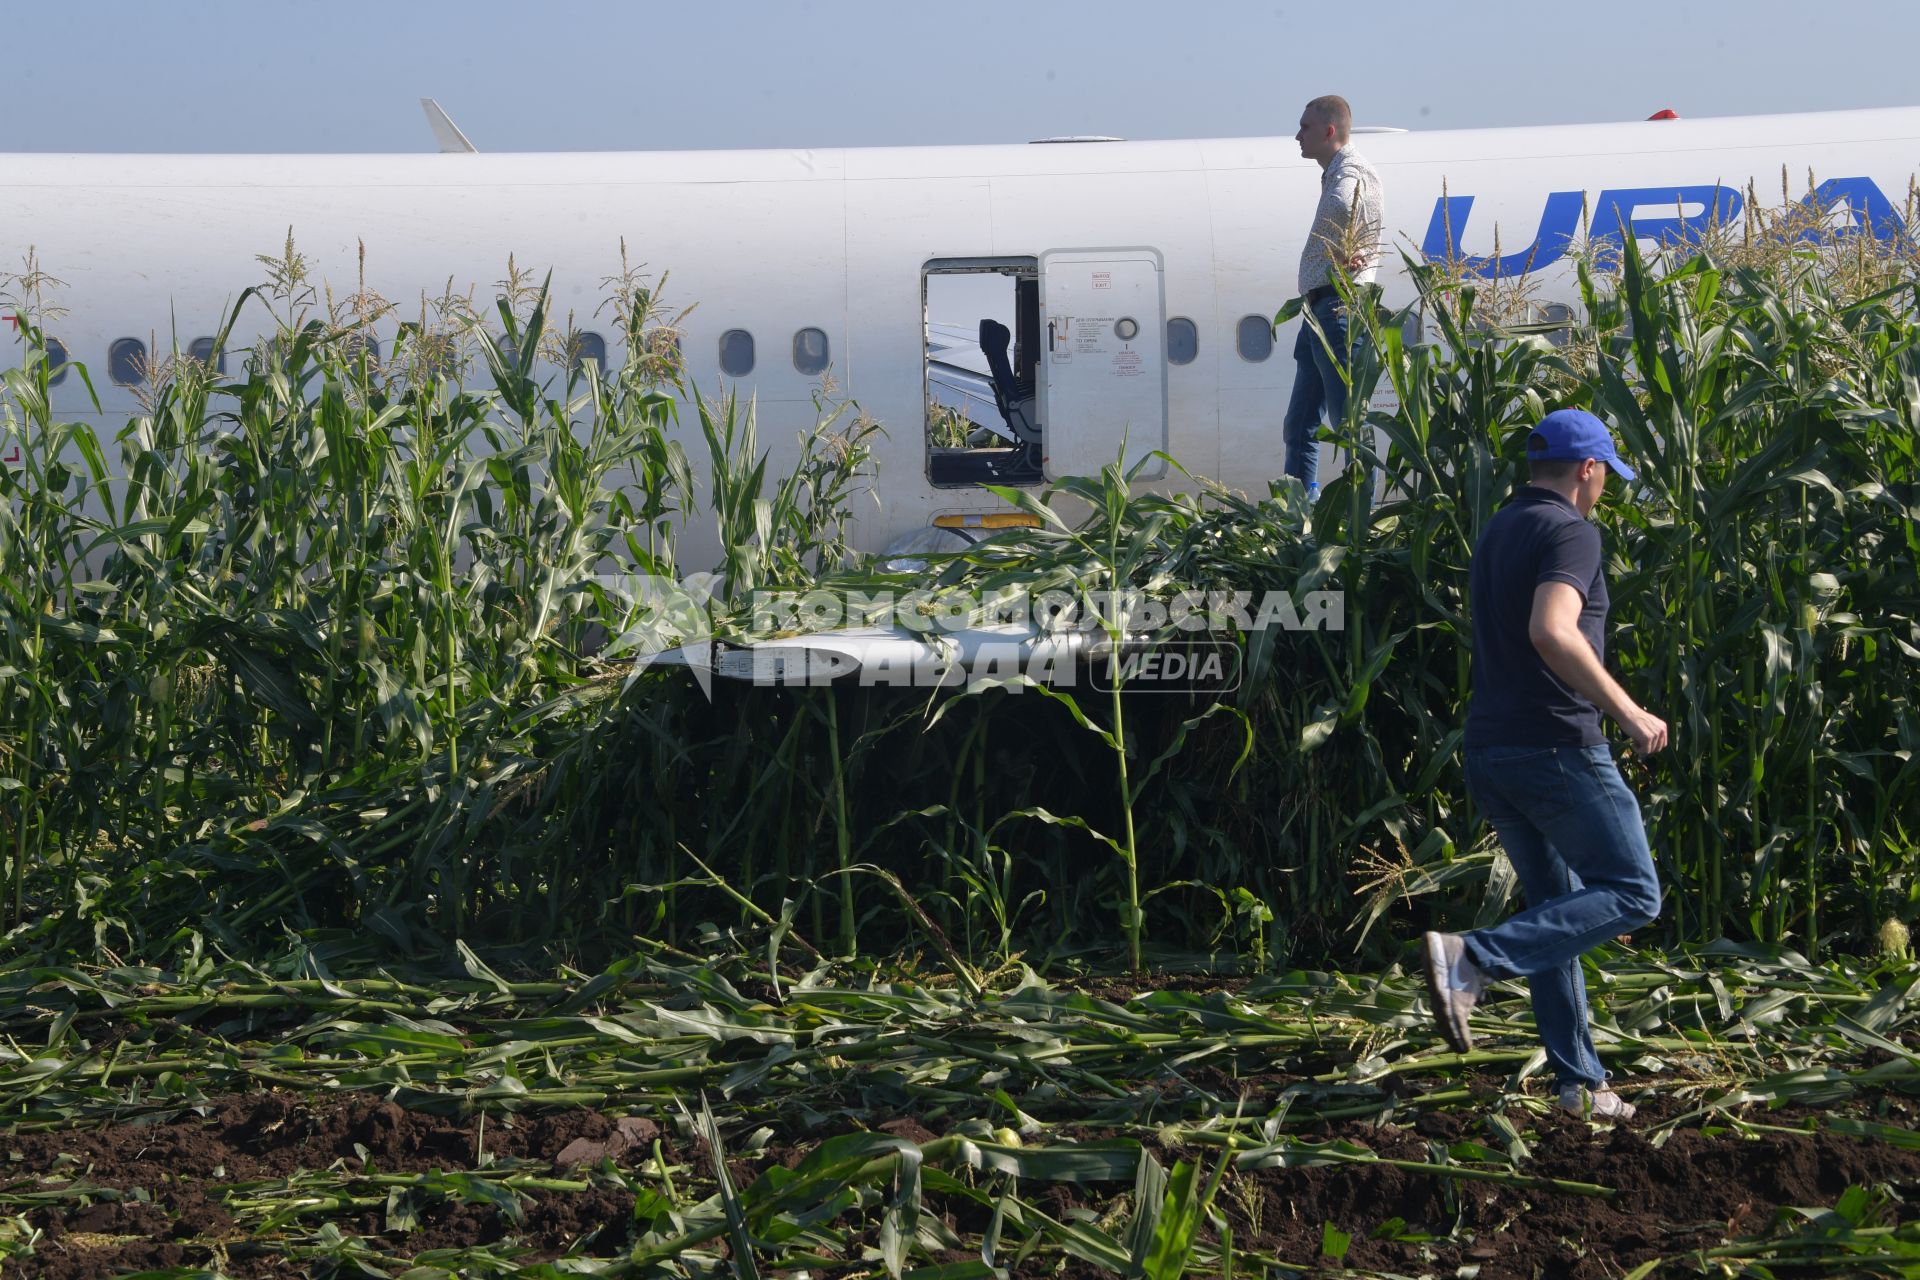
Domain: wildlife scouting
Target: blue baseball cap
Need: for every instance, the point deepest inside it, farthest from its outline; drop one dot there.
(1574, 435)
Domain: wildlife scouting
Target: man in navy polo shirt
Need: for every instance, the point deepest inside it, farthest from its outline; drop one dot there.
(1538, 765)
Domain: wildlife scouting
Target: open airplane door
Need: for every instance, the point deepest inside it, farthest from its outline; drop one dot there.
(1103, 367)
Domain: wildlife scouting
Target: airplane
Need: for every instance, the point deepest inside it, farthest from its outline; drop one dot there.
(1111, 289)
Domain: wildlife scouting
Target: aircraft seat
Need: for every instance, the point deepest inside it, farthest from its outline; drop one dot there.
(1015, 408)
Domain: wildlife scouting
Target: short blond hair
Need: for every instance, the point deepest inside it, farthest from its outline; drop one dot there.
(1333, 109)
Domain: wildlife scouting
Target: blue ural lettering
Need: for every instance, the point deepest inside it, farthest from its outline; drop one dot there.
(1549, 245)
(1694, 210)
(1683, 213)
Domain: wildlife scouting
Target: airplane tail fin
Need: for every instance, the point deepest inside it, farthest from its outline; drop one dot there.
(445, 131)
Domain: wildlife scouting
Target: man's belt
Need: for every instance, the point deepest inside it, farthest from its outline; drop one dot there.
(1317, 296)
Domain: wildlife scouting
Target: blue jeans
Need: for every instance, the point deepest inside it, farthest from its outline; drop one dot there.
(1317, 384)
(1573, 833)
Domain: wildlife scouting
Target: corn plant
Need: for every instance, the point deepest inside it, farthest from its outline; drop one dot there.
(316, 652)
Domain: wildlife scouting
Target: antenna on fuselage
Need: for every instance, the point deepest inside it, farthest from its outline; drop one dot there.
(445, 131)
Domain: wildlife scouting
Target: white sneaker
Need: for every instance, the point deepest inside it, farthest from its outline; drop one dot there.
(1455, 983)
(1595, 1104)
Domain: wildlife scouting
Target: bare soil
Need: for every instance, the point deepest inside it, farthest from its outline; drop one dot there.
(176, 1178)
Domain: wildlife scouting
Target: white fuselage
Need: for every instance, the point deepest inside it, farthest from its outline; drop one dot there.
(772, 242)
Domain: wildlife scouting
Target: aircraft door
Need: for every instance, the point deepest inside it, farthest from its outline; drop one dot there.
(1103, 359)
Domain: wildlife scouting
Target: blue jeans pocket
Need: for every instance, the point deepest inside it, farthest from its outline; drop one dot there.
(1531, 782)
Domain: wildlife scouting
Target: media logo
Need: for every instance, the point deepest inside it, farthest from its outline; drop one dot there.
(1208, 665)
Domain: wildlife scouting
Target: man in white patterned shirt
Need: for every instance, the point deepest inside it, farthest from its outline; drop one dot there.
(1347, 229)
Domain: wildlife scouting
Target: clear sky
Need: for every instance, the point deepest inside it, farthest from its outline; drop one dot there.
(345, 75)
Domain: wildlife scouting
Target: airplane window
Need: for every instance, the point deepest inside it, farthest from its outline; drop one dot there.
(589, 346)
(127, 362)
(1560, 315)
(736, 353)
(1183, 340)
(201, 349)
(810, 351)
(1255, 338)
(56, 362)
